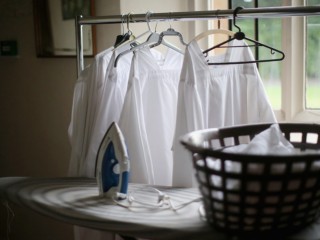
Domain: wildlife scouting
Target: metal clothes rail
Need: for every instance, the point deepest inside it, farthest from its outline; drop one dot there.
(269, 12)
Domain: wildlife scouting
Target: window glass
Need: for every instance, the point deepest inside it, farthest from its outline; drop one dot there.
(260, 30)
(312, 60)
(270, 33)
(246, 25)
(242, 3)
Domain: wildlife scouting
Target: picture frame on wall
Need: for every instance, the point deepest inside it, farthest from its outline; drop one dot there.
(54, 22)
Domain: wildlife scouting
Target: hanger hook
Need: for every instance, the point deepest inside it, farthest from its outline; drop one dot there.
(235, 12)
(129, 17)
(148, 19)
(122, 23)
(169, 19)
(155, 28)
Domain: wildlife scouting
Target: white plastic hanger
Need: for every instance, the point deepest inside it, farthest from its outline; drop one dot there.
(153, 40)
(150, 38)
(213, 31)
(169, 32)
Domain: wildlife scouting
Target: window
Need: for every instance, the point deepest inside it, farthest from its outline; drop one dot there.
(293, 84)
(260, 29)
(312, 60)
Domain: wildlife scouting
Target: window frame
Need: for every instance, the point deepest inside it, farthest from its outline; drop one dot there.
(293, 74)
(293, 77)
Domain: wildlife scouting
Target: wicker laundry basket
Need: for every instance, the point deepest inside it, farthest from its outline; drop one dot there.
(259, 193)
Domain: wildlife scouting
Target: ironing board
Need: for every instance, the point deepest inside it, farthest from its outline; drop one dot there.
(76, 201)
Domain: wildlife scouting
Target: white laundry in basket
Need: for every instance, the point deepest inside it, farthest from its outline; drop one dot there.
(269, 142)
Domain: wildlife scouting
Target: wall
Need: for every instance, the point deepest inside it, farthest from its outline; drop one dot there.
(35, 102)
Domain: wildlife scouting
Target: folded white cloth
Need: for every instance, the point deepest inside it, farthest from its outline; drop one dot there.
(270, 141)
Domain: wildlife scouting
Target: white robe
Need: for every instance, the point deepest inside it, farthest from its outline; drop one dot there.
(96, 90)
(148, 117)
(87, 91)
(213, 96)
(109, 106)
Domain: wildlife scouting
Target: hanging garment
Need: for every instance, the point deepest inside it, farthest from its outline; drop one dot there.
(109, 106)
(86, 92)
(216, 96)
(77, 123)
(148, 117)
(98, 99)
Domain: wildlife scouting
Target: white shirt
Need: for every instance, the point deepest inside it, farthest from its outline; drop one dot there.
(213, 96)
(109, 106)
(87, 91)
(148, 116)
(88, 94)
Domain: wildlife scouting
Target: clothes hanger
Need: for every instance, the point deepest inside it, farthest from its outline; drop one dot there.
(214, 31)
(169, 32)
(130, 38)
(153, 40)
(122, 37)
(241, 36)
(133, 42)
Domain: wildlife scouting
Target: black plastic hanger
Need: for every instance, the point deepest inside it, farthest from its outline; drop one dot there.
(123, 37)
(241, 36)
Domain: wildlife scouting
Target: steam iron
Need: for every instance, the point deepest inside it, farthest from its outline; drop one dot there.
(112, 164)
